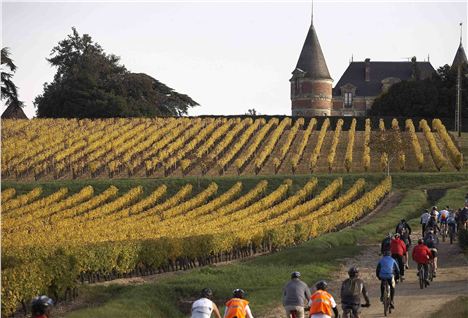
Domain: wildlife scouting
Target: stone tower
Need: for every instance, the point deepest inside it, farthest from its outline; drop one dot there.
(311, 84)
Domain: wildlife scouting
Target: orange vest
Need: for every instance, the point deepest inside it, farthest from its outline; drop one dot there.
(321, 303)
(235, 307)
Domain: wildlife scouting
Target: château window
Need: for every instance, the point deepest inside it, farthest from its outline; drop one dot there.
(348, 100)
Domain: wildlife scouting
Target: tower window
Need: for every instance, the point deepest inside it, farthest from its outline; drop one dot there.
(348, 100)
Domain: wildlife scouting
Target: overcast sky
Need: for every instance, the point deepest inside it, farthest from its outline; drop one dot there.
(229, 56)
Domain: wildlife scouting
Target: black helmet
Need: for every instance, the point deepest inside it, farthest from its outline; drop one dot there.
(40, 305)
(295, 275)
(238, 293)
(353, 271)
(206, 293)
(420, 241)
(321, 285)
(403, 221)
(387, 253)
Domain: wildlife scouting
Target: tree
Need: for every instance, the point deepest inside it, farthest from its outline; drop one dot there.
(9, 90)
(390, 145)
(433, 97)
(92, 84)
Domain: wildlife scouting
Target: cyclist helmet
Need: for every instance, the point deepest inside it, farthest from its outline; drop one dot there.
(396, 235)
(353, 271)
(420, 241)
(403, 221)
(238, 293)
(295, 275)
(321, 285)
(434, 208)
(206, 293)
(41, 305)
(387, 253)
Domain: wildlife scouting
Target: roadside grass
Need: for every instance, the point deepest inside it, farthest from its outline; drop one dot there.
(262, 277)
(457, 308)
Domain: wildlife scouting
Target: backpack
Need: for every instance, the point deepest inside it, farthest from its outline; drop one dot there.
(351, 288)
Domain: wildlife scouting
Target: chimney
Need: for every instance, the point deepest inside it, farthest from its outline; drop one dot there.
(367, 69)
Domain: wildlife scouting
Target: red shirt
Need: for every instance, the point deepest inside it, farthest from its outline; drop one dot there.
(421, 253)
(397, 246)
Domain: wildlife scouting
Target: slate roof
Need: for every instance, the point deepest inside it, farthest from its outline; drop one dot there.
(460, 57)
(355, 75)
(14, 112)
(311, 59)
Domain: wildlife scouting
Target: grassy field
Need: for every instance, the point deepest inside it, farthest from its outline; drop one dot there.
(457, 308)
(262, 277)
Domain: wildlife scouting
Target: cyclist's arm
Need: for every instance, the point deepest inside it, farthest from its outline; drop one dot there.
(409, 228)
(216, 311)
(248, 313)
(377, 271)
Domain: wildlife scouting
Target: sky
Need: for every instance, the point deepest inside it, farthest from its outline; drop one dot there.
(229, 56)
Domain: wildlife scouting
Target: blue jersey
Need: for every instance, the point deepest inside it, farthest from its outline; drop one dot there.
(387, 267)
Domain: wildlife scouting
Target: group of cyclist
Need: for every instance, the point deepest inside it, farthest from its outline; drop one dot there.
(297, 296)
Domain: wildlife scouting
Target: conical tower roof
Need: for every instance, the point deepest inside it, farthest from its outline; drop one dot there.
(311, 60)
(14, 112)
(460, 57)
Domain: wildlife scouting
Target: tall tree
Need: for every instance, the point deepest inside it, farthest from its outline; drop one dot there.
(434, 97)
(8, 88)
(90, 83)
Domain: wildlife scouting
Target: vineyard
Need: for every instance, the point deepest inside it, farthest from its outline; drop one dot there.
(50, 149)
(107, 234)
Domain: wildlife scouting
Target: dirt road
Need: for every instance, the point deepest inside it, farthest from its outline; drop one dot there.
(410, 300)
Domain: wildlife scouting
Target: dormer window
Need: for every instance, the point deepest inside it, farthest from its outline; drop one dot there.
(348, 99)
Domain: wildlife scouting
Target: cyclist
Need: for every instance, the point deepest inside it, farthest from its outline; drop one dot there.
(296, 294)
(424, 219)
(40, 307)
(385, 245)
(237, 306)
(351, 290)
(432, 224)
(204, 307)
(452, 222)
(443, 214)
(398, 250)
(435, 212)
(387, 270)
(322, 303)
(463, 217)
(431, 240)
(404, 230)
(422, 256)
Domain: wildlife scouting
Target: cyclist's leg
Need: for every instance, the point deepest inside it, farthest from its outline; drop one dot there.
(426, 271)
(382, 287)
(392, 289)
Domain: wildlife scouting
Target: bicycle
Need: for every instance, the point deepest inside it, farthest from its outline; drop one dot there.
(387, 299)
(348, 313)
(421, 274)
(430, 270)
(444, 231)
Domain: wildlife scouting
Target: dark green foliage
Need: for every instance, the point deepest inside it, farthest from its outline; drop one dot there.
(92, 84)
(435, 97)
(9, 89)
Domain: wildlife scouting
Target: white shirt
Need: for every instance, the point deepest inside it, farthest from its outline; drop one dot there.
(425, 218)
(202, 308)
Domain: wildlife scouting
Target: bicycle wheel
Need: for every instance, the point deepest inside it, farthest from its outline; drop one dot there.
(386, 300)
(421, 276)
(430, 273)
